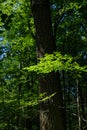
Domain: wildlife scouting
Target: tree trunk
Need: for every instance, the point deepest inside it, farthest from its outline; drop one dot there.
(69, 104)
(78, 107)
(52, 115)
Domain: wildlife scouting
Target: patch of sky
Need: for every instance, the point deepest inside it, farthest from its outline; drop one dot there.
(1, 38)
(15, 7)
(84, 54)
(53, 6)
(3, 50)
(2, 56)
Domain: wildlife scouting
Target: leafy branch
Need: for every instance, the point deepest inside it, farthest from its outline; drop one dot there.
(56, 62)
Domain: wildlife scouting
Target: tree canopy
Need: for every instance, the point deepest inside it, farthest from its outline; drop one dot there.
(31, 56)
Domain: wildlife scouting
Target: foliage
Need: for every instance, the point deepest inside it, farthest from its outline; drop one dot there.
(57, 62)
(19, 97)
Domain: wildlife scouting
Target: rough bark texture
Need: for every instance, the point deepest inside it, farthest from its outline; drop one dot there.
(52, 115)
(44, 35)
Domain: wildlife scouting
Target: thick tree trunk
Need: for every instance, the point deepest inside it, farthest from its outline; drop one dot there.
(52, 116)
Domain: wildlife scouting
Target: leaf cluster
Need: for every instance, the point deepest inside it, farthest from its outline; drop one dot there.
(56, 62)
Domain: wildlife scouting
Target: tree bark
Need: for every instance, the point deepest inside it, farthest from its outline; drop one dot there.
(78, 107)
(52, 115)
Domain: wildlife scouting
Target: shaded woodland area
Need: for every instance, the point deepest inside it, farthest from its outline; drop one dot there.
(43, 65)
